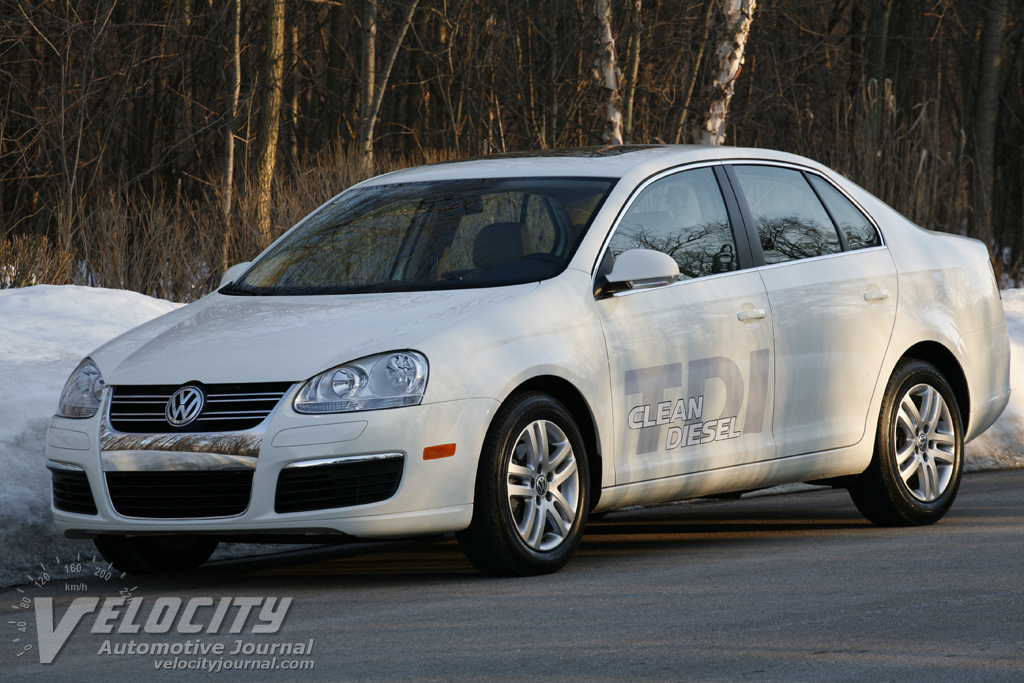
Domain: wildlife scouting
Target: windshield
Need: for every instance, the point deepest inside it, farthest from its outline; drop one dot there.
(431, 235)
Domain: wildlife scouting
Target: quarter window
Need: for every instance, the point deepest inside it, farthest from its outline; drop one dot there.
(858, 230)
(791, 222)
(684, 216)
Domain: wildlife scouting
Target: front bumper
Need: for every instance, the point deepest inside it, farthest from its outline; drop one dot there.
(433, 495)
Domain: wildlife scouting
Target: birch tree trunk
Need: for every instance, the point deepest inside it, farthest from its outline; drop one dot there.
(269, 119)
(372, 91)
(731, 26)
(608, 74)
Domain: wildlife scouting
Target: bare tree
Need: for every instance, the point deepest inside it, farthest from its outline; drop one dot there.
(634, 66)
(372, 93)
(232, 80)
(986, 117)
(336, 61)
(731, 27)
(115, 127)
(367, 90)
(270, 117)
(878, 33)
(608, 74)
(694, 71)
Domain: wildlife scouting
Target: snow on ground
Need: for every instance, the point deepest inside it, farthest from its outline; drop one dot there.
(45, 331)
(1002, 446)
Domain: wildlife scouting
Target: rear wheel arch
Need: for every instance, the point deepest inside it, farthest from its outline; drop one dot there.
(917, 462)
(943, 359)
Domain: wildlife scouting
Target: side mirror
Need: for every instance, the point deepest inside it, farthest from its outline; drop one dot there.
(638, 269)
(233, 272)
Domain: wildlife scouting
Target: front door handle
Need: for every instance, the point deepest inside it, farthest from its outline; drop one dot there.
(876, 295)
(751, 314)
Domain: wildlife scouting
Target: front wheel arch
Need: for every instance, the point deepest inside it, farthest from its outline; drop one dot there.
(568, 395)
(532, 490)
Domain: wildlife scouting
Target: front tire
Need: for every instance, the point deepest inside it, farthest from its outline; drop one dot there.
(915, 473)
(532, 492)
(155, 554)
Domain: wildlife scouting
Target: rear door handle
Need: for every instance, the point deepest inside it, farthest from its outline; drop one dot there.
(751, 314)
(876, 295)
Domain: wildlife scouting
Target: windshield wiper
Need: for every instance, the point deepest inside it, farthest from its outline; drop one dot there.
(231, 290)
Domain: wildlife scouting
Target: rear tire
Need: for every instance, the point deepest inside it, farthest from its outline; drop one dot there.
(155, 554)
(915, 473)
(532, 492)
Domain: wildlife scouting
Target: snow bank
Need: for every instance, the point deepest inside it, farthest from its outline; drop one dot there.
(45, 331)
(1002, 446)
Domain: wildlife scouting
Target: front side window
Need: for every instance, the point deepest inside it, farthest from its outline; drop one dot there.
(684, 216)
(791, 222)
(449, 234)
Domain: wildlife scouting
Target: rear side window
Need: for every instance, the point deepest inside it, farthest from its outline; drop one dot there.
(791, 222)
(858, 230)
(682, 215)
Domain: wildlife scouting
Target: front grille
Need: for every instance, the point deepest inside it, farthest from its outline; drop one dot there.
(71, 492)
(228, 407)
(337, 485)
(175, 495)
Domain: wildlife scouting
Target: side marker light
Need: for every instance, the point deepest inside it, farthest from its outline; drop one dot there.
(436, 452)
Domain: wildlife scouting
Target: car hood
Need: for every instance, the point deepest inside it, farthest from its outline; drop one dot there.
(227, 339)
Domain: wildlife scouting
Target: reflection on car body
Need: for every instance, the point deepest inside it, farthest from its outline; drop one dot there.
(500, 347)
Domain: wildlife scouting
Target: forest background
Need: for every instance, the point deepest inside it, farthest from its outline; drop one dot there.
(148, 144)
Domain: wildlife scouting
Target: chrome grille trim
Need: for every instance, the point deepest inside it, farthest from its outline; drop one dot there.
(246, 443)
(229, 407)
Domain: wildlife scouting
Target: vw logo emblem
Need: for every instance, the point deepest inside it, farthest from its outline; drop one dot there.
(184, 406)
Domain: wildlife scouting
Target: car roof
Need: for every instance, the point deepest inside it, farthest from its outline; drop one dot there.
(619, 161)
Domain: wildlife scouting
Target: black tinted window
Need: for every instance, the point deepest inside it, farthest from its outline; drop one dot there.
(857, 229)
(791, 222)
(682, 215)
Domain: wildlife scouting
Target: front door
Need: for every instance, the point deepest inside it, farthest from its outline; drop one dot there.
(691, 363)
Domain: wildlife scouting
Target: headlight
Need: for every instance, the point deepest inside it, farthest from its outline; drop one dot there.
(388, 380)
(82, 392)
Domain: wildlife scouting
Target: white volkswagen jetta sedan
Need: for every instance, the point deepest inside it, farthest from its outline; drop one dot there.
(500, 347)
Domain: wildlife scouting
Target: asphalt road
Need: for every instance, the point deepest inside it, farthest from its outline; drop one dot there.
(793, 587)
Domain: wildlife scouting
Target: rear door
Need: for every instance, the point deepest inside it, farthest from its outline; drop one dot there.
(832, 289)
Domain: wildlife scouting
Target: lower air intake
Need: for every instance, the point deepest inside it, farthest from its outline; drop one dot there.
(71, 492)
(337, 484)
(177, 495)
